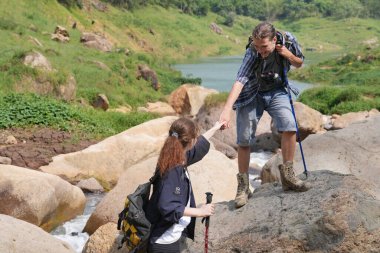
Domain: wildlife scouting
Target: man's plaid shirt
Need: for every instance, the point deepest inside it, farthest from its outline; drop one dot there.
(246, 74)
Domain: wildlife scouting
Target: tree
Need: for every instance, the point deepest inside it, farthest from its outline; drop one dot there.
(273, 8)
(346, 8)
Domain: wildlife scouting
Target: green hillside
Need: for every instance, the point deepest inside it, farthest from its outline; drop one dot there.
(177, 36)
(348, 83)
(151, 35)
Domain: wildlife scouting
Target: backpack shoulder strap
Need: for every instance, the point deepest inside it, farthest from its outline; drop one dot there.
(156, 175)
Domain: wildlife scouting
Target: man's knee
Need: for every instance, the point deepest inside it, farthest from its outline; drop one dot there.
(289, 132)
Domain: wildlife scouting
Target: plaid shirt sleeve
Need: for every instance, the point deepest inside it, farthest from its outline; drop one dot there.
(294, 47)
(246, 67)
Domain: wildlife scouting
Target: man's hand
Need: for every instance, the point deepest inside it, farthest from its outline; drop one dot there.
(287, 54)
(225, 117)
(283, 51)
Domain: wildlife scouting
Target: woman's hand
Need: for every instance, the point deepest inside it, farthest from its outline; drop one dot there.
(218, 125)
(204, 210)
(207, 210)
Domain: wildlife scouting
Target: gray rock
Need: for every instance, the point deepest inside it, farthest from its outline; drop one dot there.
(5, 160)
(90, 185)
(337, 215)
(352, 150)
(17, 236)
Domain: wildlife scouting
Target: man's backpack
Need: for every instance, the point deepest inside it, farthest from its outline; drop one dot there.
(133, 223)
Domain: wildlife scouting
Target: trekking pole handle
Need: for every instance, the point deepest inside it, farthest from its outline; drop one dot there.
(208, 201)
(208, 197)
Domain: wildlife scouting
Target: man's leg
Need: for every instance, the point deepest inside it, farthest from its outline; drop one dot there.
(288, 146)
(243, 158)
(243, 191)
(246, 122)
(280, 110)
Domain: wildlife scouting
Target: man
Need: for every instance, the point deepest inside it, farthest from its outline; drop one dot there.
(259, 86)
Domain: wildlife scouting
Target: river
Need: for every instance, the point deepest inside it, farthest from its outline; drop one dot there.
(216, 73)
(219, 73)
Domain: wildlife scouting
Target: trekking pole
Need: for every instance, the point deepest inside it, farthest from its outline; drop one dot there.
(295, 119)
(207, 219)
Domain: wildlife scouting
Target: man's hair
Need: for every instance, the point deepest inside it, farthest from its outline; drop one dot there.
(264, 30)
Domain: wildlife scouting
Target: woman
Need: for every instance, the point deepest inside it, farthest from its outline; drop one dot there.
(172, 206)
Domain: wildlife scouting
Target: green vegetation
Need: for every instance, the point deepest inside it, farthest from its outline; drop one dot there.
(332, 99)
(350, 83)
(266, 9)
(26, 110)
(159, 33)
(215, 99)
(147, 38)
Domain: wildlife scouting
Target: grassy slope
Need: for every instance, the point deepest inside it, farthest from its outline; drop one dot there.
(349, 83)
(178, 37)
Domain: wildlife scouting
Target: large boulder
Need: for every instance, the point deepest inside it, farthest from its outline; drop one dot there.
(101, 102)
(339, 122)
(214, 173)
(44, 85)
(105, 240)
(161, 108)
(17, 236)
(264, 140)
(352, 150)
(68, 90)
(96, 41)
(37, 60)
(38, 198)
(189, 98)
(107, 159)
(148, 74)
(309, 121)
(60, 34)
(5, 160)
(215, 28)
(337, 215)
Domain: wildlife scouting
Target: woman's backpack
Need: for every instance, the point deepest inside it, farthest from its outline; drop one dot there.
(133, 223)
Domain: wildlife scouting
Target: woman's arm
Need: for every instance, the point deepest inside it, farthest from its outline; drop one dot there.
(171, 204)
(203, 211)
(202, 146)
(212, 130)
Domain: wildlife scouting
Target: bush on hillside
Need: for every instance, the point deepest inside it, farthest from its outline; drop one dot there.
(71, 3)
(25, 110)
(342, 99)
(183, 80)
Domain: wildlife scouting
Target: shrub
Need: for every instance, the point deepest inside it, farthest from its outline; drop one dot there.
(24, 110)
(183, 80)
(344, 99)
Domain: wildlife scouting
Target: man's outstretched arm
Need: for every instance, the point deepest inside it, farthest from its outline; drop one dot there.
(225, 116)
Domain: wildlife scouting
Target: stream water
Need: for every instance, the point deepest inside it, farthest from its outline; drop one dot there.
(217, 73)
(71, 231)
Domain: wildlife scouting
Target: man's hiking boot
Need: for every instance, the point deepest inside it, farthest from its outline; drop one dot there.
(289, 179)
(243, 191)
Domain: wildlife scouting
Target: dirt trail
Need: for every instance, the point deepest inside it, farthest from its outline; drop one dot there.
(36, 146)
